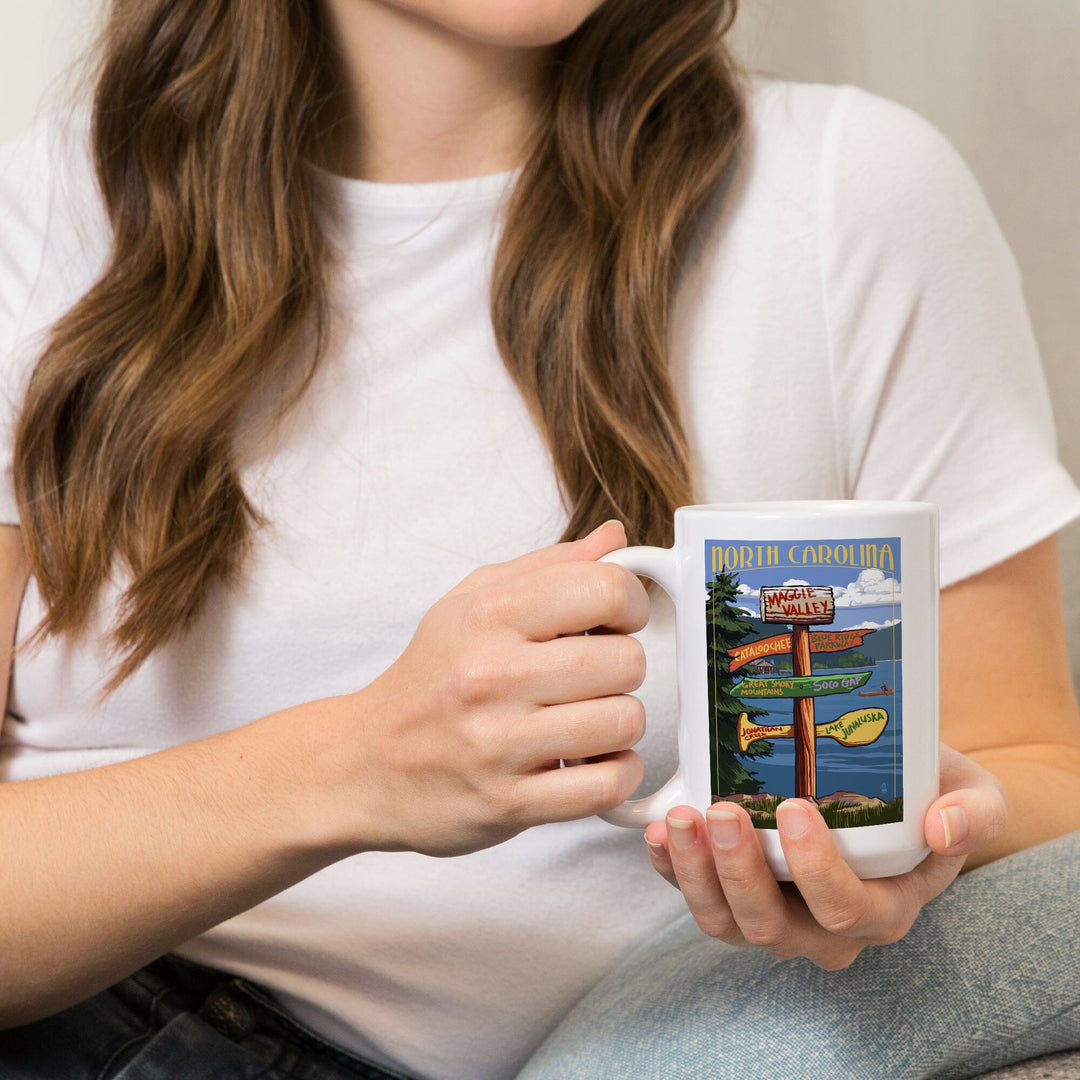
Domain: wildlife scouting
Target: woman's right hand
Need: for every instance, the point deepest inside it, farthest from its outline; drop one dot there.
(457, 746)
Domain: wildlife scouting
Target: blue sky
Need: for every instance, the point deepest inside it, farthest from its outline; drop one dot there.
(869, 598)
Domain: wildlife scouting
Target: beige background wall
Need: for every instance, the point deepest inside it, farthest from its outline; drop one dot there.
(997, 76)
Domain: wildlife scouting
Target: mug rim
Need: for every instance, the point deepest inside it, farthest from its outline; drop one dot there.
(809, 507)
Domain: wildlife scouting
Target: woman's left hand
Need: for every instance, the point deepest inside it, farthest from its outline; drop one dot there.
(826, 913)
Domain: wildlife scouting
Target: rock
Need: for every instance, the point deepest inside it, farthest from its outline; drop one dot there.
(850, 801)
(750, 800)
(846, 798)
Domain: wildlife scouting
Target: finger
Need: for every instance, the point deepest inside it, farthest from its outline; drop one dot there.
(966, 821)
(577, 668)
(602, 540)
(585, 729)
(554, 601)
(757, 905)
(555, 672)
(579, 791)
(960, 771)
(692, 862)
(971, 813)
(656, 844)
(567, 599)
(840, 903)
(931, 877)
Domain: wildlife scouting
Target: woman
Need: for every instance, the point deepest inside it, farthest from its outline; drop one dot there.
(273, 428)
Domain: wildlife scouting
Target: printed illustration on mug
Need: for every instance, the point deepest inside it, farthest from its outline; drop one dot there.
(805, 676)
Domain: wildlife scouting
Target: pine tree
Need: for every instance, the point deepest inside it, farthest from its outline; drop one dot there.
(725, 628)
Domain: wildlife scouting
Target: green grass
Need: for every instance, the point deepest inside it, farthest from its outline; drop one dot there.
(763, 814)
(871, 815)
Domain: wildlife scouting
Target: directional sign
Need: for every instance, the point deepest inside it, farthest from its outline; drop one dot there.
(858, 728)
(820, 641)
(800, 686)
(802, 604)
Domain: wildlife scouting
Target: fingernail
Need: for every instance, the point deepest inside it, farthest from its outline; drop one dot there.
(955, 823)
(656, 849)
(610, 521)
(723, 828)
(792, 818)
(681, 833)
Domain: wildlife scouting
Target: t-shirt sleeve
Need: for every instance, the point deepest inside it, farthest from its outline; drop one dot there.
(939, 390)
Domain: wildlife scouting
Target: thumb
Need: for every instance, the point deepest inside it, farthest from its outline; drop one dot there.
(971, 812)
(604, 538)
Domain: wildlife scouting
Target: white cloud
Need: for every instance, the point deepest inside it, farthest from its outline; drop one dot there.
(745, 590)
(871, 588)
(795, 581)
(867, 625)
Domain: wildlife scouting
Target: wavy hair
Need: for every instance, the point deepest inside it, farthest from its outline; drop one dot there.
(204, 114)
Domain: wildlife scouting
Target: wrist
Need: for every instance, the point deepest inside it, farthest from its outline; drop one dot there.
(315, 780)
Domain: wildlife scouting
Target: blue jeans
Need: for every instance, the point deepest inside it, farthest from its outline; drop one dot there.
(175, 1020)
(989, 975)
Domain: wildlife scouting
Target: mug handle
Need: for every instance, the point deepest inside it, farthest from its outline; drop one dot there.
(661, 565)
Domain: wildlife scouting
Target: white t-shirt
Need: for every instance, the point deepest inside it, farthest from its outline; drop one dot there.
(852, 280)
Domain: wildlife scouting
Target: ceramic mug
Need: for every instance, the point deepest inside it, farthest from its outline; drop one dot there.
(807, 656)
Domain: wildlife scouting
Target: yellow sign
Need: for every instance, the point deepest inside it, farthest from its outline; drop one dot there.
(858, 728)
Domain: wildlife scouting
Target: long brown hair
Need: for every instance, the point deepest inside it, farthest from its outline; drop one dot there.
(204, 114)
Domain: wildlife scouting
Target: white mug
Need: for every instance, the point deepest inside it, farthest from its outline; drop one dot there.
(807, 654)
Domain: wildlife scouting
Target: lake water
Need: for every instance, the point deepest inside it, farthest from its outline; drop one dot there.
(875, 770)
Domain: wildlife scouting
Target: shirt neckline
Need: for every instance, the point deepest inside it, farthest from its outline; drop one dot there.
(432, 194)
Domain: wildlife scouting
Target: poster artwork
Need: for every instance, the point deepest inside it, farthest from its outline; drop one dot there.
(805, 672)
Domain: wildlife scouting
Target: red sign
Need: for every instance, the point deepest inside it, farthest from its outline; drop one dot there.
(821, 641)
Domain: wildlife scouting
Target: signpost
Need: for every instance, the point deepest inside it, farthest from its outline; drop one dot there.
(822, 641)
(803, 606)
(800, 605)
(858, 728)
(803, 686)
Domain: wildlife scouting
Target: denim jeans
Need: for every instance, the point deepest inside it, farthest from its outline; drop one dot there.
(989, 975)
(175, 1020)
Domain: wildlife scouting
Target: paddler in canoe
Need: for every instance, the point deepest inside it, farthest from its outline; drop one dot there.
(885, 689)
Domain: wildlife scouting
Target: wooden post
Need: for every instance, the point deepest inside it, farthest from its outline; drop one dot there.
(800, 606)
(803, 717)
